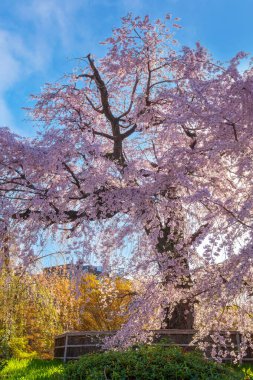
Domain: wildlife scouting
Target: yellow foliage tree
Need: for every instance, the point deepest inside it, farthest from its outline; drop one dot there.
(104, 302)
(28, 318)
(35, 308)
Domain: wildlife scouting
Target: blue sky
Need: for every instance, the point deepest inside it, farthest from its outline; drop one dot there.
(40, 39)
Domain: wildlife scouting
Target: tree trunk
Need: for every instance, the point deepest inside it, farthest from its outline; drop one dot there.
(182, 316)
(5, 252)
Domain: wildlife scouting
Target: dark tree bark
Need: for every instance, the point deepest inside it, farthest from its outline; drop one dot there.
(182, 316)
(5, 251)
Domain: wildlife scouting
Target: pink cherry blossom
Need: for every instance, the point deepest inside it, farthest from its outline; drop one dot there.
(146, 151)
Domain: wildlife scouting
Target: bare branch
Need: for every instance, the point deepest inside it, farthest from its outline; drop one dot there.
(129, 132)
(132, 98)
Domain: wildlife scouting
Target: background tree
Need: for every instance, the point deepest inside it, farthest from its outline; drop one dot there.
(104, 302)
(28, 317)
(35, 308)
(152, 143)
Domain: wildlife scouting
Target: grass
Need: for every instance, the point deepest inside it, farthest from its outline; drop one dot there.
(36, 369)
(32, 369)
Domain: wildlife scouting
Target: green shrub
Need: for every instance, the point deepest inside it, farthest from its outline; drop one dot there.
(247, 369)
(149, 363)
(15, 347)
(20, 349)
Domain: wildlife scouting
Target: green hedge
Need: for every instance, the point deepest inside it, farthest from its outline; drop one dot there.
(149, 363)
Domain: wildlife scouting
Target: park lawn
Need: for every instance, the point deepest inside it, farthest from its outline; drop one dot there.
(36, 369)
(32, 369)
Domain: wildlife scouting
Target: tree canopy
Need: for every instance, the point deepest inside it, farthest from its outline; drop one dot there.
(152, 144)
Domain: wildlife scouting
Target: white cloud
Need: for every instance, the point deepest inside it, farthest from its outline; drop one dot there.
(11, 48)
(16, 64)
(24, 52)
(6, 118)
(54, 20)
(9, 64)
